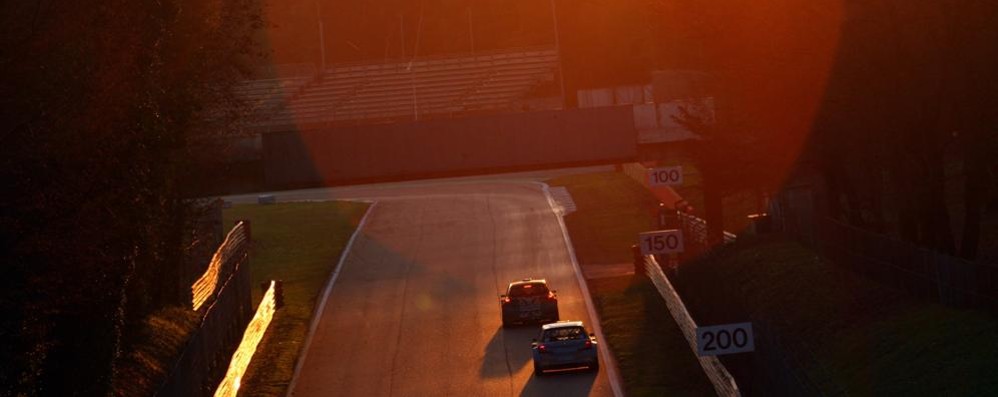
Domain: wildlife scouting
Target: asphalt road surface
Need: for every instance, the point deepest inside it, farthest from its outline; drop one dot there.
(415, 312)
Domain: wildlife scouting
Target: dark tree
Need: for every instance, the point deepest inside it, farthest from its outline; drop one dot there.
(911, 99)
(104, 108)
(768, 64)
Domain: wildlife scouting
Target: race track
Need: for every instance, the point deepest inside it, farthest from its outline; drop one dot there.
(414, 311)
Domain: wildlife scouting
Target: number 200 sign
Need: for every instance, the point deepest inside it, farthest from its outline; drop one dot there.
(725, 339)
(665, 176)
(661, 242)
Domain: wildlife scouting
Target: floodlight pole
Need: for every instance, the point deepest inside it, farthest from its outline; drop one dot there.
(557, 49)
(402, 33)
(471, 30)
(322, 37)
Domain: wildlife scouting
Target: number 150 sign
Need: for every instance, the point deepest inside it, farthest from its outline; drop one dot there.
(661, 242)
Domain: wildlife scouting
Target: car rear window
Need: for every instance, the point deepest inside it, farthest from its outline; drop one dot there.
(563, 334)
(528, 289)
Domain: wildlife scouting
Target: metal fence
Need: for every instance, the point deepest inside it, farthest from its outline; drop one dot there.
(797, 212)
(200, 245)
(780, 360)
(724, 383)
(223, 262)
(695, 230)
(225, 314)
(921, 272)
(250, 340)
(792, 211)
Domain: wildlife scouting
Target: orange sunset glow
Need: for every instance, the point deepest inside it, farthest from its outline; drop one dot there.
(532, 198)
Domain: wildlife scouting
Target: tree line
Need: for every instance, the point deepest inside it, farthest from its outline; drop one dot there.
(106, 112)
(894, 103)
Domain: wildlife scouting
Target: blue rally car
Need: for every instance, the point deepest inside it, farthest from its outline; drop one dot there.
(564, 345)
(528, 300)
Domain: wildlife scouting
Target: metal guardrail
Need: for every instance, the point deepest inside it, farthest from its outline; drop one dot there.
(232, 249)
(724, 383)
(225, 312)
(229, 387)
(696, 228)
(921, 272)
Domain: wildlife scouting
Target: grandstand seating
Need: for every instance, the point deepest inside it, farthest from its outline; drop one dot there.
(404, 90)
(266, 96)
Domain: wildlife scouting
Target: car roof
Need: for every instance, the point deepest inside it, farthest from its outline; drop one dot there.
(529, 281)
(562, 324)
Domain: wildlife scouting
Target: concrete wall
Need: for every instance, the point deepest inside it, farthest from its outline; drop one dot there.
(449, 147)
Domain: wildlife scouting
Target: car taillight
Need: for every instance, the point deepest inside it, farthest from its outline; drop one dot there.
(506, 300)
(589, 344)
(542, 348)
(552, 296)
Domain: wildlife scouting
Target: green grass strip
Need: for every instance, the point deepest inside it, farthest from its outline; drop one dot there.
(299, 243)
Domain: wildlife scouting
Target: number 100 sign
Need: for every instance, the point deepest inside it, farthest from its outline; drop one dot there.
(661, 242)
(665, 176)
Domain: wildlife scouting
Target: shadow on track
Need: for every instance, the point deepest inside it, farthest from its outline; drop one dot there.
(508, 345)
(567, 383)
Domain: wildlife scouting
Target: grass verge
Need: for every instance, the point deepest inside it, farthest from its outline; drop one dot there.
(843, 333)
(299, 243)
(611, 209)
(653, 357)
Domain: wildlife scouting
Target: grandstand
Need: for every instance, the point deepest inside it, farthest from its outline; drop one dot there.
(427, 87)
(264, 96)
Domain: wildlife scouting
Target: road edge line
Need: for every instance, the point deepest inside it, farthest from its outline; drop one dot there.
(317, 314)
(612, 373)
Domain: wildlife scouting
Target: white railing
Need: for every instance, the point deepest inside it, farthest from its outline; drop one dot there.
(724, 383)
(697, 228)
